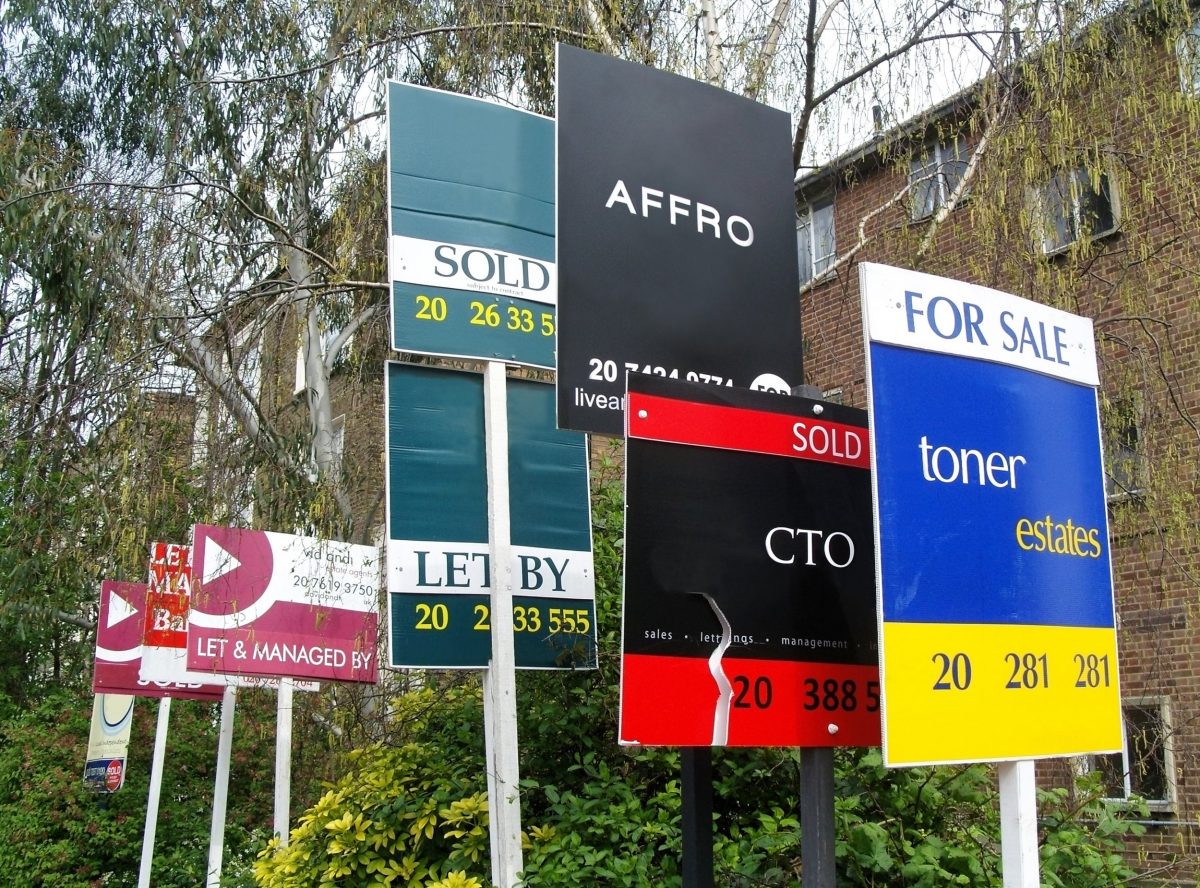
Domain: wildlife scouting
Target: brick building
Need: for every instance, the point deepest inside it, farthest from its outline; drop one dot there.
(1085, 195)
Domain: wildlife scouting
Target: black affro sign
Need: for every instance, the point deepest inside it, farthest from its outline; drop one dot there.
(749, 614)
(676, 239)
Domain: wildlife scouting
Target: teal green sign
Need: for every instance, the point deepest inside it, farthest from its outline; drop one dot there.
(439, 572)
(471, 228)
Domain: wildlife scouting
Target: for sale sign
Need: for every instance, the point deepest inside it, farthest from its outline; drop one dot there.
(995, 584)
(676, 237)
(275, 604)
(749, 614)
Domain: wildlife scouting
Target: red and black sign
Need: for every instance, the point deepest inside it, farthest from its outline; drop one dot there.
(749, 614)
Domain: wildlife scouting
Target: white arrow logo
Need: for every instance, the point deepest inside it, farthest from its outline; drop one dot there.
(119, 610)
(217, 561)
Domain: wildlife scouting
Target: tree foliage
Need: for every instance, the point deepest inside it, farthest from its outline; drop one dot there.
(64, 834)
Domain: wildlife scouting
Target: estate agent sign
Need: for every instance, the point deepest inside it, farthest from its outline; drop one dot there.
(749, 611)
(995, 585)
(471, 227)
(280, 605)
(676, 237)
(439, 572)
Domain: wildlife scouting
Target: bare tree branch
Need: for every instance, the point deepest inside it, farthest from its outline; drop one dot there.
(598, 29)
(766, 55)
(845, 258)
(714, 68)
(600, 34)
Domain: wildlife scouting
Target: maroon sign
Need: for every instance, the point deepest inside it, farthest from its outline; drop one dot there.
(274, 604)
(119, 648)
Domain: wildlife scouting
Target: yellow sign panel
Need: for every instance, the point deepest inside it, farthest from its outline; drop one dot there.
(968, 692)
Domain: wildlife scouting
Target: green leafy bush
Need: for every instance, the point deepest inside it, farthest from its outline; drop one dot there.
(413, 814)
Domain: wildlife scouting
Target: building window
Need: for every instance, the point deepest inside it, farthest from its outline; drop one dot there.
(815, 241)
(1145, 767)
(1187, 47)
(934, 174)
(1076, 205)
(1123, 462)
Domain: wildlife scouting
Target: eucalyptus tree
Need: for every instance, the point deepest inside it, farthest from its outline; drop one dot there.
(233, 136)
(204, 180)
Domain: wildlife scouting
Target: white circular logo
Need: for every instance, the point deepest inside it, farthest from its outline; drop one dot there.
(769, 382)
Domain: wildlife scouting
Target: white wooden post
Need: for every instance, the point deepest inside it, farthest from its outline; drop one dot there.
(216, 842)
(283, 759)
(156, 769)
(500, 687)
(1018, 824)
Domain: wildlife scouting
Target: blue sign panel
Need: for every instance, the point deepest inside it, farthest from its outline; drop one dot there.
(998, 634)
(995, 484)
(471, 228)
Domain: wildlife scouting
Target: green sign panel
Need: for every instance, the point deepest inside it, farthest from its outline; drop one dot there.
(439, 573)
(471, 228)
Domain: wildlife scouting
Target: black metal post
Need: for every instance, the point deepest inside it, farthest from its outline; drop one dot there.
(816, 817)
(697, 817)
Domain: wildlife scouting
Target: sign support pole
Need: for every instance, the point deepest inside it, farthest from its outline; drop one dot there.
(816, 817)
(283, 758)
(817, 831)
(156, 769)
(697, 816)
(216, 844)
(1018, 824)
(500, 686)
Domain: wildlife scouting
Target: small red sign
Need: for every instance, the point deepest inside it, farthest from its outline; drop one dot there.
(168, 596)
(114, 775)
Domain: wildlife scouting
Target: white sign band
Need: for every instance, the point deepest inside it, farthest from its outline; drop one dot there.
(479, 269)
(930, 313)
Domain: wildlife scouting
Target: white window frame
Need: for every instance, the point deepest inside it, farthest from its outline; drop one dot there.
(934, 174)
(1187, 49)
(814, 213)
(1079, 183)
(1167, 803)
